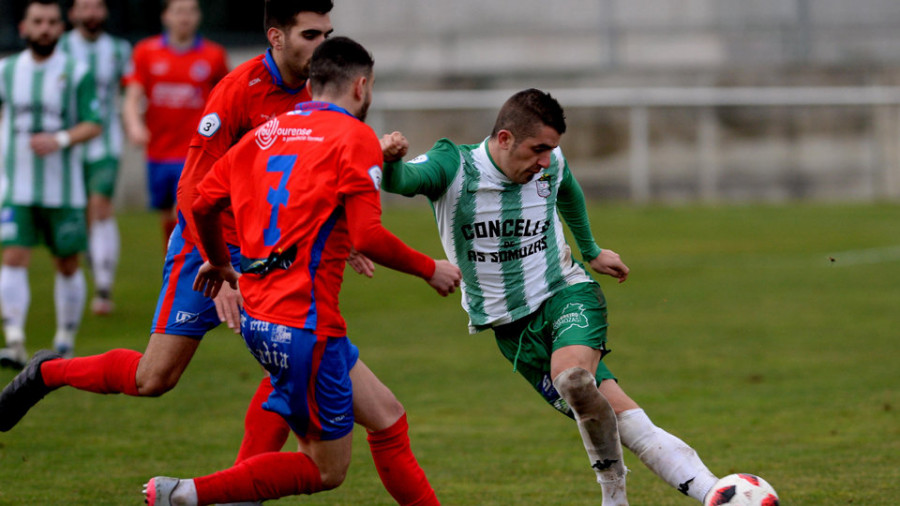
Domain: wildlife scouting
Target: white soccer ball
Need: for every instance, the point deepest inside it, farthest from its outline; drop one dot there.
(742, 490)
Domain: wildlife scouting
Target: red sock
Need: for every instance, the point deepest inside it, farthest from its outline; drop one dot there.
(265, 476)
(264, 431)
(397, 466)
(110, 373)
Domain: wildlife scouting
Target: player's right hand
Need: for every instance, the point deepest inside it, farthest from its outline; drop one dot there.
(210, 278)
(446, 277)
(137, 134)
(394, 146)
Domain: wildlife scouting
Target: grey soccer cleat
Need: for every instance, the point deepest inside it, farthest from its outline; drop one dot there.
(158, 491)
(24, 391)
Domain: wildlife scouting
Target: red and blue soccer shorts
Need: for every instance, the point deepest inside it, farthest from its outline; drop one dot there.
(162, 182)
(310, 375)
(180, 310)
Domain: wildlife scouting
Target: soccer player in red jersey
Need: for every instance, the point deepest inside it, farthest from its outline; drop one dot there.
(304, 188)
(174, 74)
(254, 92)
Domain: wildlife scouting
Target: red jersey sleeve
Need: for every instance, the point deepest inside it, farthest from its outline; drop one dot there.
(360, 162)
(221, 126)
(369, 237)
(358, 189)
(214, 189)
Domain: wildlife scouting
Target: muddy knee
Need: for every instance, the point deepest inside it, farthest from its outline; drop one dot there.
(579, 388)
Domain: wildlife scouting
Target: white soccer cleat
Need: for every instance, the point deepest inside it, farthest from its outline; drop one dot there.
(14, 357)
(102, 306)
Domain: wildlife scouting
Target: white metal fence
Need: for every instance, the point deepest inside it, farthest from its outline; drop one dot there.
(877, 167)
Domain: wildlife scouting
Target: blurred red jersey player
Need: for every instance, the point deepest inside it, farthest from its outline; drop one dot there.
(174, 73)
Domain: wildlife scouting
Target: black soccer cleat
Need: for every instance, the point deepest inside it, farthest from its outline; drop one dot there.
(24, 391)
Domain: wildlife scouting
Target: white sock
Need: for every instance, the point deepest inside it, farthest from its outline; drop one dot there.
(597, 424)
(104, 245)
(666, 455)
(15, 297)
(184, 494)
(69, 295)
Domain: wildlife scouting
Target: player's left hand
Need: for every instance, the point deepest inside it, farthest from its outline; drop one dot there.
(361, 263)
(394, 146)
(609, 263)
(43, 144)
(210, 278)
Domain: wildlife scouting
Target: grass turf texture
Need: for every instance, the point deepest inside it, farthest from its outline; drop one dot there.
(735, 331)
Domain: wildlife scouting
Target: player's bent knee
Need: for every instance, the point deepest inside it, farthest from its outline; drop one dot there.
(332, 478)
(579, 388)
(154, 385)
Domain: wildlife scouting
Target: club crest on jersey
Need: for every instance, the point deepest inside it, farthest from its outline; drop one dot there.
(543, 185)
(209, 125)
(200, 70)
(375, 174)
(420, 159)
(267, 134)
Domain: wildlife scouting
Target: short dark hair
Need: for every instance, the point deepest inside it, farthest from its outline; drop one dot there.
(283, 13)
(524, 113)
(336, 62)
(42, 2)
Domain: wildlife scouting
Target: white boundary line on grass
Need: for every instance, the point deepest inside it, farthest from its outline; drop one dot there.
(865, 256)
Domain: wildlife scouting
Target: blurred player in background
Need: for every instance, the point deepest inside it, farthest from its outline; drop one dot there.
(303, 188)
(109, 59)
(496, 206)
(49, 109)
(173, 73)
(256, 91)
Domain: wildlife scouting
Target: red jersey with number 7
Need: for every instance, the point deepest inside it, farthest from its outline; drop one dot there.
(286, 183)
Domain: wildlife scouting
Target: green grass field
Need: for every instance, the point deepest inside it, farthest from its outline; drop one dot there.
(735, 331)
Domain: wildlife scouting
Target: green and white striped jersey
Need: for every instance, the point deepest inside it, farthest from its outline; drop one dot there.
(109, 60)
(46, 96)
(506, 238)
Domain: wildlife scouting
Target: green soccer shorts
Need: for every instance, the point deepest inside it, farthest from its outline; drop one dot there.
(574, 316)
(63, 230)
(100, 177)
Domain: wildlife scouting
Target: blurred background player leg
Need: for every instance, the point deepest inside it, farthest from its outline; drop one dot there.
(108, 58)
(15, 298)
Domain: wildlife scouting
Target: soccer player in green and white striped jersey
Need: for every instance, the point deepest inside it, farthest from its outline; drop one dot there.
(109, 60)
(497, 207)
(49, 109)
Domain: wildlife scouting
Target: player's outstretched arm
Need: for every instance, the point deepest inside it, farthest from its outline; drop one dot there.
(370, 238)
(609, 263)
